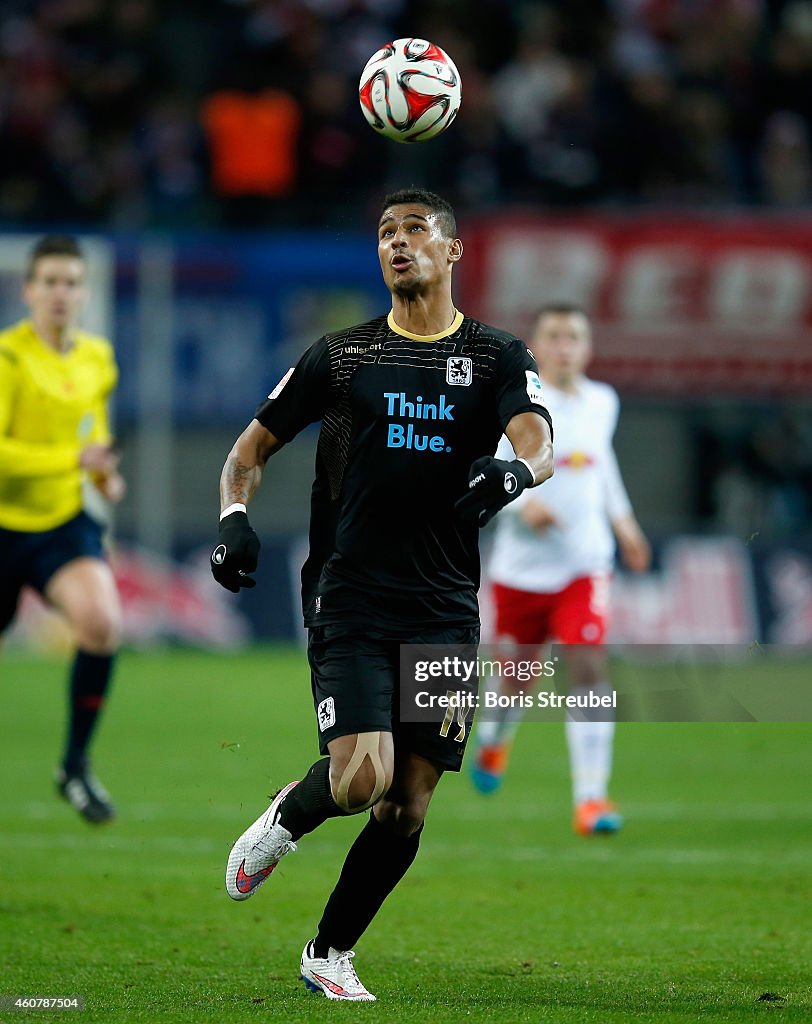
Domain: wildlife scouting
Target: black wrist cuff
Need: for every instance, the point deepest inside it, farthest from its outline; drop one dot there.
(234, 517)
(523, 472)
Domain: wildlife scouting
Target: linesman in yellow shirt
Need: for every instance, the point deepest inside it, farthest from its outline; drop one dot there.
(55, 448)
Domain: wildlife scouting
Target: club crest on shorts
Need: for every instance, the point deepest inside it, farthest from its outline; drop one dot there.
(459, 370)
(326, 713)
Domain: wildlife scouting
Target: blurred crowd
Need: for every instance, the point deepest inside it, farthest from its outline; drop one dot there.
(136, 113)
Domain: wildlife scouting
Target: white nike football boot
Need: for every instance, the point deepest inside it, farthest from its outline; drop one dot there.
(333, 975)
(258, 850)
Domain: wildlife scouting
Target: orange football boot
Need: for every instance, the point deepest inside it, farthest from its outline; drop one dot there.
(596, 817)
(489, 767)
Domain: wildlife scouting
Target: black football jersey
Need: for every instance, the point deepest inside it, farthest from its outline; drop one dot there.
(402, 419)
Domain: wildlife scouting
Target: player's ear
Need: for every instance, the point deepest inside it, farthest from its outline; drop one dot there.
(455, 250)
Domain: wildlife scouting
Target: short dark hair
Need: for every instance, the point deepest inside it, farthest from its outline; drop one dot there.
(433, 203)
(53, 245)
(561, 309)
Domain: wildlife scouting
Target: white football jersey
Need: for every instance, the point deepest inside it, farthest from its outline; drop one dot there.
(584, 494)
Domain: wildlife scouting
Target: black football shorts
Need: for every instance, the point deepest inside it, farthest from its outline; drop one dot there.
(355, 683)
(33, 558)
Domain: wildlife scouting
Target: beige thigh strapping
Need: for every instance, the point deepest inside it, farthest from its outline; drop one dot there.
(367, 744)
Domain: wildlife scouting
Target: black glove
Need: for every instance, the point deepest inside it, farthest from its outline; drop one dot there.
(492, 484)
(236, 554)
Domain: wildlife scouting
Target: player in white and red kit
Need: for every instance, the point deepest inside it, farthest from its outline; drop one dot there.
(553, 556)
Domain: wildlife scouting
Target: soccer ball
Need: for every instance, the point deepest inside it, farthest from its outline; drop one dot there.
(410, 90)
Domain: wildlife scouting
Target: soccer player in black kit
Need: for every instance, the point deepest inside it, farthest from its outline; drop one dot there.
(412, 406)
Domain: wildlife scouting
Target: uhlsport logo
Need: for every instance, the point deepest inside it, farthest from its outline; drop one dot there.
(510, 483)
(459, 370)
(218, 556)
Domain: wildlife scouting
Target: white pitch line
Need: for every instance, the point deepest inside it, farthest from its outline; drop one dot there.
(41, 810)
(477, 809)
(113, 844)
(603, 854)
(489, 809)
(584, 853)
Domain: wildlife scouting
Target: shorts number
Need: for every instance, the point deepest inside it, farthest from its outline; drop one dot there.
(460, 712)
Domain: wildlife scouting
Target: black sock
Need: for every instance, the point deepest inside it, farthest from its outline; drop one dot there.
(310, 803)
(377, 861)
(89, 680)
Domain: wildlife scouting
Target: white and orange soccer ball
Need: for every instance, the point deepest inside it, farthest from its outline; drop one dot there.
(410, 90)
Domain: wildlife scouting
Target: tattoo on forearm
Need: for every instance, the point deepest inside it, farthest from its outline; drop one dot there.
(238, 482)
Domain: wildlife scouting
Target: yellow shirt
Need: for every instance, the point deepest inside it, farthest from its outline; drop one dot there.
(52, 404)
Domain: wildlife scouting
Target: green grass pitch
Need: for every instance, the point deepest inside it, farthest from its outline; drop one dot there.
(696, 910)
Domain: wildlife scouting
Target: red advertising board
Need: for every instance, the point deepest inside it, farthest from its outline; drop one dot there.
(680, 305)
